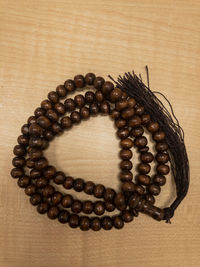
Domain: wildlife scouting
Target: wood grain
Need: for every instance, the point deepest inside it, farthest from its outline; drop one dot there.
(42, 43)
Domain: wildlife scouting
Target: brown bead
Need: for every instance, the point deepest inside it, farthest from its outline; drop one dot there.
(42, 208)
(115, 94)
(133, 201)
(85, 113)
(94, 109)
(69, 85)
(95, 224)
(124, 96)
(35, 141)
(67, 201)
(35, 199)
(74, 221)
(30, 163)
(59, 178)
(137, 132)
(159, 180)
(79, 101)
(146, 157)
(140, 141)
(49, 172)
(162, 169)
(24, 181)
(121, 105)
(119, 201)
(76, 206)
(66, 122)
(17, 172)
(89, 97)
(48, 135)
(23, 140)
(41, 164)
(126, 165)
(109, 194)
(44, 122)
(63, 216)
(139, 189)
(118, 222)
(139, 110)
(18, 162)
(89, 188)
(46, 104)
(143, 149)
(78, 184)
(123, 133)
(30, 190)
(158, 136)
(125, 176)
(107, 87)
(99, 208)
(41, 182)
(79, 81)
(61, 91)
(39, 112)
(48, 191)
(131, 102)
(162, 158)
(89, 78)
(88, 207)
(150, 198)
(107, 223)
(153, 127)
(34, 174)
(53, 212)
(75, 117)
(154, 189)
(145, 119)
(128, 187)
(98, 82)
(69, 104)
(53, 97)
(127, 113)
(25, 129)
(125, 154)
(127, 216)
(161, 146)
(35, 154)
(134, 122)
(84, 223)
(19, 150)
(35, 129)
(68, 183)
(99, 96)
(105, 107)
(126, 143)
(60, 108)
(144, 179)
(109, 206)
(56, 128)
(144, 168)
(115, 114)
(98, 190)
(120, 123)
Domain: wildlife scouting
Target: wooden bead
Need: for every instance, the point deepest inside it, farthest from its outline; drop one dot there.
(53, 212)
(140, 141)
(131, 102)
(158, 136)
(18, 162)
(94, 108)
(98, 82)
(146, 157)
(126, 143)
(59, 178)
(124, 96)
(89, 78)
(99, 190)
(84, 223)
(41, 164)
(144, 179)
(139, 189)
(162, 169)
(154, 189)
(66, 122)
(42, 208)
(114, 114)
(53, 97)
(118, 222)
(162, 158)
(61, 91)
(74, 221)
(23, 140)
(121, 105)
(79, 101)
(68, 183)
(49, 135)
(35, 141)
(89, 97)
(120, 201)
(107, 223)
(35, 129)
(49, 172)
(144, 168)
(137, 132)
(143, 149)
(45, 144)
(125, 176)
(109, 206)
(41, 182)
(30, 190)
(69, 85)
(63, 216)
(99, 208)
(127, 216)
(126, 165)
(145, 119)
(35, 154)
(128, 187)
(25, 129)
(123, 133)
(67, 201)
(76, 206)
(88, 207)
(125, 154)
(153, 127)
(161, 146)
(107, 87)
(19, 150)
(48, 191)
(35, 199)
(78, 184)
(95, 224)
(56, 198)
(39, 112)
(89, 188)
(17, 173)
(120, 123)
(79, 81)
(46, 104)
(56, 128)
(139, 110)
(105, 107)
(60, 108)
(24, 181)
(109, 194)
(159, 180)
(134, 122)
(150, 198)
(69, 104)
(99, 96)
(127, 113)
(75, 117)
(115, 94)
(34, 174)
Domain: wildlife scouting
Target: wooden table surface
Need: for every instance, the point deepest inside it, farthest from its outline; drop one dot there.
(43, 43)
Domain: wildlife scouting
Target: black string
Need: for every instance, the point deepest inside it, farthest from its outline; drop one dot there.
(134, 87)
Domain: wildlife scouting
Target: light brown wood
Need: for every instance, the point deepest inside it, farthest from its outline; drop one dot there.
(42, 43)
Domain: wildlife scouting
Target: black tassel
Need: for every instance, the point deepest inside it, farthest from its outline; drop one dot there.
(134, 87)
